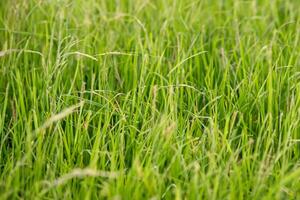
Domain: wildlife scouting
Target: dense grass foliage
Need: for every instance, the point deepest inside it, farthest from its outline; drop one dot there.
(149, 99)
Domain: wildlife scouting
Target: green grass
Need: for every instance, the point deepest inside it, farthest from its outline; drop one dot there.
(150, 99)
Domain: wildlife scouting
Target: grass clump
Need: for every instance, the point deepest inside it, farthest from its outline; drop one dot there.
(149, 99)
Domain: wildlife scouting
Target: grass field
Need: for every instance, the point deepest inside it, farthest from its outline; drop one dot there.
(150, 99)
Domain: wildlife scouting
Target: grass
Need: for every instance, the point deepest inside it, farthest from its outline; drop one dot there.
(149, 99)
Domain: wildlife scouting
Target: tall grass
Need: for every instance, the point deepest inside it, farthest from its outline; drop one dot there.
(149, 99)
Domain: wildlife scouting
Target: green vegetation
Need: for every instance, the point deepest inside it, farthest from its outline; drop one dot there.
(149, 99)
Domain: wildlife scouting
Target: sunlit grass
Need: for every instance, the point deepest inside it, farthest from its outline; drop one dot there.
(157, 99)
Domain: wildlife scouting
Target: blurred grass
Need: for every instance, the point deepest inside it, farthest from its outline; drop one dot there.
(149, 99)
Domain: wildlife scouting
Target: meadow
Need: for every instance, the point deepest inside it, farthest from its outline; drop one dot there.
(150, 99)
